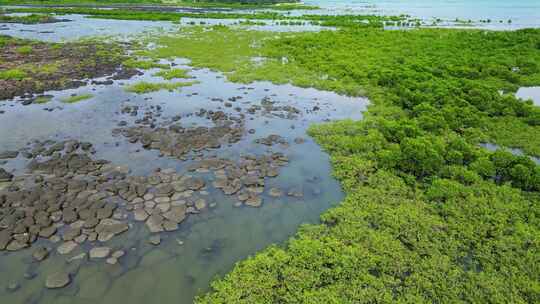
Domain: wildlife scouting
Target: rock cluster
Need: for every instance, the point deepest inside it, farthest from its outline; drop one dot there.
(169, 200)
(173, 139)
(67, 196)
(268, 108)
(244, 178)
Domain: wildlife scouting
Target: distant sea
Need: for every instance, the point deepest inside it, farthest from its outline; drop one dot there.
(522, 13)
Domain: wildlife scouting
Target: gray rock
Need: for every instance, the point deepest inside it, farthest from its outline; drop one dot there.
(108, 228)
(13, 286)
(200, 204)
(154, 223)
(275, 192)
(57, 280)
(155, 240)
(118, 254)
(16, 245)
(5, 238)
(177, 214)
(47, 232)
(99, 252)
(8, 154)
(253, 201)
(5, 176)
(71, 233)
(140, 215)
(67, 247)
(40, 254)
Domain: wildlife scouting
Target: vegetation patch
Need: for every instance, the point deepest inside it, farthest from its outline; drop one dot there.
(173, 74)
(284, 19)
(24, 50)
(144, 64)
(30, 19)
(77, 98)
(235, 4)
(147, 87)
(12, 74)
(43, 99)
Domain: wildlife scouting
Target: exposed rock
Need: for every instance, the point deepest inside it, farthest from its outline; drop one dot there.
(13, 286)
(200, 204)
(275, 192)
(40, 254)
(155, 240)
(16, 245)
(155, 223)
(254, 201)
(47, 232)
(5, 176)
(71, 233)
(140, 215)
(8, 154)
(99, 252)
(108, 228)
(67, 247)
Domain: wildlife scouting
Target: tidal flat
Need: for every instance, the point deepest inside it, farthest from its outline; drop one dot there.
(229, 162)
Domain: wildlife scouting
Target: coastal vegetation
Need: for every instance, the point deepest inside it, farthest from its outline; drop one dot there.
(28, 19)
(430, 215)
(148, 87)
(77, 98)
(322, 20)
(172, 74)
(235, 4)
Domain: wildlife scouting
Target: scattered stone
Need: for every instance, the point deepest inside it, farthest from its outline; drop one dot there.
(66, 247)
(13, 286)
(275, 192)
(154, 223)
(140, 215)
(8, 154)
(99, 252)
(57, 280)
(155, 240)
(5, 176)
(40, 254)
(253, 201)
(77, 257)
(200, 204)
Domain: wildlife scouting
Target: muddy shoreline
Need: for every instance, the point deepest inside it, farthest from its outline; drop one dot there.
(28, 67)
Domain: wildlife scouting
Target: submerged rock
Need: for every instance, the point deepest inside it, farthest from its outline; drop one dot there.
(5, 176)
(99, 252)
(57, 280)
(40, 254)
(154, 240)
(67, 247)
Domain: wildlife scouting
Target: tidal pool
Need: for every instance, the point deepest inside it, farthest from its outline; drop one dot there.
(532, 93)
(206, 244)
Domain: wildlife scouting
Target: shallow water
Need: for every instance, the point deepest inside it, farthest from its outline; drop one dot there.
(523, 13)
(81, 27)
(212, 241)
(532, 93)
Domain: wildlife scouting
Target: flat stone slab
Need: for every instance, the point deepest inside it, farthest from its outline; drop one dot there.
(58, 280)
(99, 252)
